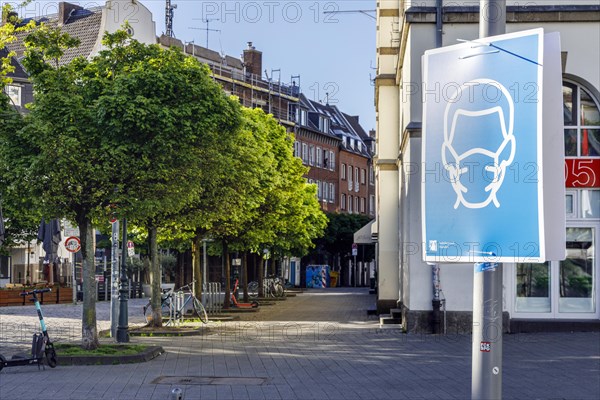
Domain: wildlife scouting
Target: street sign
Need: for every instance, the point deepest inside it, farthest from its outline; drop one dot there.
(354, 249)
(73, 244)
(130, 248)
(489, 182)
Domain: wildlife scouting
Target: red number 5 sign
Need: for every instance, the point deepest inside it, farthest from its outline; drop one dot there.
(582, 172)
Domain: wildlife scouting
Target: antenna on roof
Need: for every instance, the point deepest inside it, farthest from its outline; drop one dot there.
(169, 13)
(207, 29)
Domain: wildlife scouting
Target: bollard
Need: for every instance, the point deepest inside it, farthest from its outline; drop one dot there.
(176, 394)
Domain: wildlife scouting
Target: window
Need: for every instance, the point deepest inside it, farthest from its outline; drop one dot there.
(297, 147)
(331, 192)
(533, 287)
(324, 124)
(372, 204)
(349, 177)
(362, 205)
(343, 201)
(14, 94)
(331, 161)
(319, 157)
(303, 115)
(356, 209)
(582, 122)
(304, 153)
(363, 176)
(371, 175)
(343, 171)
(5, 267)
(590, 203)
(325, 191)
(325, 159)
(576, 273)
(311, 155)
(583, 203)
(350, 200)
(356, 181)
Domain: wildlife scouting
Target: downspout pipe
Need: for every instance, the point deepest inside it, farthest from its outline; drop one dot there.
(436, 303)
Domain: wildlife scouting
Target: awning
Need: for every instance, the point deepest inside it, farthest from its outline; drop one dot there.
(364, 234)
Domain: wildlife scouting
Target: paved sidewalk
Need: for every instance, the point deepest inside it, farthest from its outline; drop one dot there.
(318, 345)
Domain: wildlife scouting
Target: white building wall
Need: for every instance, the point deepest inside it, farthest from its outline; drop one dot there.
(457, 279)
(116, 12)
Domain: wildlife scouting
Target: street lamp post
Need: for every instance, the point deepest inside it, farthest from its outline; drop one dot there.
(123, 328)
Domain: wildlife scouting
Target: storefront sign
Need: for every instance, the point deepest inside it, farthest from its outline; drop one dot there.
(582, 172)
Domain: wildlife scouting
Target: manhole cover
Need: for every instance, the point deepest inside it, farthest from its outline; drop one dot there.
(207, 380)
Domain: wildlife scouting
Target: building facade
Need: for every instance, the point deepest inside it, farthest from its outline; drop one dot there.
(559, 291)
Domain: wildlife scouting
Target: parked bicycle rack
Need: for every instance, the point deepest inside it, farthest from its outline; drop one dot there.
(214, 303)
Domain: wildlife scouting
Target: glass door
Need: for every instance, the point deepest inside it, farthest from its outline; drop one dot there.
(576, 278)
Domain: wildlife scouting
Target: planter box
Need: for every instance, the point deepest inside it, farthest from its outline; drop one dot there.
(12, 297)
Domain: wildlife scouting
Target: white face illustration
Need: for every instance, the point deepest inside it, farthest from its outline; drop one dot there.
(478, 142)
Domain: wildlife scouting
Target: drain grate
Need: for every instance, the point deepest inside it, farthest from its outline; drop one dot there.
(208, 380)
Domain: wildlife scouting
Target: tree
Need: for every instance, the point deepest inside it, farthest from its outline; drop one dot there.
(126, 127)
(173, 120)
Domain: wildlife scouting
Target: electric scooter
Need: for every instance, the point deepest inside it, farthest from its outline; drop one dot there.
(41, 347)
(237, 304)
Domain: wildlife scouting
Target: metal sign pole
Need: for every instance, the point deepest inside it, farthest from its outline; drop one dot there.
(114, 280)
(486, 365)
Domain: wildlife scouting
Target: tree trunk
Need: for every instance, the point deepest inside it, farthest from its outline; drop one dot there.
(245, 275)
(89, 331)
(226, 301)
(261, 278)
(196, 265)
(155, 278)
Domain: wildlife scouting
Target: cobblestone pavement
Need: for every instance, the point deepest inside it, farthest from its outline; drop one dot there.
(318, 345)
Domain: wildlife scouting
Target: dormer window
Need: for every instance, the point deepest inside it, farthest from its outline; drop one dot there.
(324, 124)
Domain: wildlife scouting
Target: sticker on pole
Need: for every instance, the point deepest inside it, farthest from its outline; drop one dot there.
(73, 244)
(485, 347)
(483, 168)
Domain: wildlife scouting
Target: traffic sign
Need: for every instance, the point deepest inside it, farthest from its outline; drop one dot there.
(130, 248)
(73, 244)
(354, 249)
(489, 181)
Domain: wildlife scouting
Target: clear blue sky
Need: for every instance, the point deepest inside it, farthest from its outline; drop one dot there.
(332, 53)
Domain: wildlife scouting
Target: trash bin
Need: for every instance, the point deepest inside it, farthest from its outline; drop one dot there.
(333, 278)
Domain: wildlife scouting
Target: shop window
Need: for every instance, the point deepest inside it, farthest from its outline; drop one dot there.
(533, 287)
(582, 122)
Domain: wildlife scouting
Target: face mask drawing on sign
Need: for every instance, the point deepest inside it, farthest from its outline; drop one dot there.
(479, 143)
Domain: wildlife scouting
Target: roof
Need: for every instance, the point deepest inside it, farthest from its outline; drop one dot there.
(342, 125)
(83, 24)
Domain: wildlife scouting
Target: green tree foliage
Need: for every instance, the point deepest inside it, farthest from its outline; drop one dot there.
(339, 234)
(126, 127)
(173, 120)
(20, 211)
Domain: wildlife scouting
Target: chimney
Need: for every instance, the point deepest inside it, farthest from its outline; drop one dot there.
(65, 10)
(253, 60)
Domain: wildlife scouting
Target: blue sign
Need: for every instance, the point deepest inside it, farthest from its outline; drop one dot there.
(482, 161)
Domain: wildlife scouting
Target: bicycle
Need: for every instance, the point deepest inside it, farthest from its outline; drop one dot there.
(273, 287)
(173, 311)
